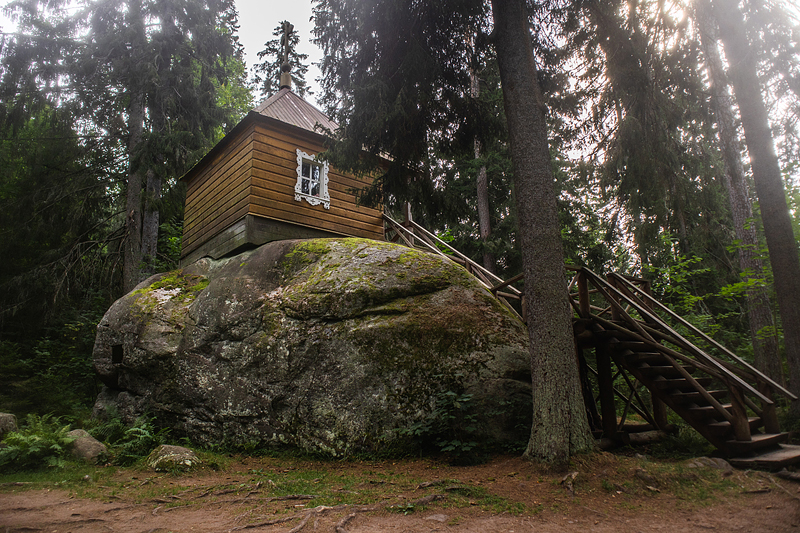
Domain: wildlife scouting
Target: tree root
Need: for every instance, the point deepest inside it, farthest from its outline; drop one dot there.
(316, 512)
(343, 522)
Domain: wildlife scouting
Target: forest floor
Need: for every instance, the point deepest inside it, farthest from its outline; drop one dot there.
(601, 492)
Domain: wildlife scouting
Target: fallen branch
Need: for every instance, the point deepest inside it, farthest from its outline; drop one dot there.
(267, 523)
(794, 497)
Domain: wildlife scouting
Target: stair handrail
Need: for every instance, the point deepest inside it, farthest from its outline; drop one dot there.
(598, 281)
(400, 229)
(483, 270)
(759, 375)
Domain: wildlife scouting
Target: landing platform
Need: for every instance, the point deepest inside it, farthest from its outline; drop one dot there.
(781, 457)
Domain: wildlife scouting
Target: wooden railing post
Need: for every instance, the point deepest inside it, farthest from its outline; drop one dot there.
(583, 296)
(659, 407)
(769, 413)
(615, 315)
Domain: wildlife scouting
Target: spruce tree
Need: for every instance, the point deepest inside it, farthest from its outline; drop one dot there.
(396, 76)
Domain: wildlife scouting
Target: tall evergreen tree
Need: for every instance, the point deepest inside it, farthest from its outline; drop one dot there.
(148, 74)
(762, 326)
(395, 76)
(783, 249)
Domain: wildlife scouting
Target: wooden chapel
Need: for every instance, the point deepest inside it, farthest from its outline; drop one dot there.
(262, 183)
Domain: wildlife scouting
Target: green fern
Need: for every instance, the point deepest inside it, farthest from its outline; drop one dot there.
(42, 442)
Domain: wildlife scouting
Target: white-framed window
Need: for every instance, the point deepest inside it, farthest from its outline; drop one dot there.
(312, 180)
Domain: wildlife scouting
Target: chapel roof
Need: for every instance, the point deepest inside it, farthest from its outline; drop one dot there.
(289, 108)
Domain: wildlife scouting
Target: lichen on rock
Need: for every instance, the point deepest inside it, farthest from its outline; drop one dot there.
(328, 345)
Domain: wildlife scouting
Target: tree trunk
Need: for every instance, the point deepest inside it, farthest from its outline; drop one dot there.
(132, 261)
(484, 213)
(781, 244)
(560, 427)
(759, 309)
(150, 223)
(131, 266)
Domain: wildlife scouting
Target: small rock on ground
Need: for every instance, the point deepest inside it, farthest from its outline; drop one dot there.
(166, 458)
(86, 447)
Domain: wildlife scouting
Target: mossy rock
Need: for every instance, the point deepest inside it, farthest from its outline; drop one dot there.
(328, 345)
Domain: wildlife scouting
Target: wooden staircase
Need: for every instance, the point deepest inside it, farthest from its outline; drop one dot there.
(729, 402)
(642, 346)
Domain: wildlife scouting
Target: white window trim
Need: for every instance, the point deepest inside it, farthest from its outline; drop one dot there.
(324, 198)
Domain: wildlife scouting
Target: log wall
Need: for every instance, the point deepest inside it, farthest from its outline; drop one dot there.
(253, 177)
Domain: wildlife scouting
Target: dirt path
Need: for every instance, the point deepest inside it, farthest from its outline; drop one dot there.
(508, 494)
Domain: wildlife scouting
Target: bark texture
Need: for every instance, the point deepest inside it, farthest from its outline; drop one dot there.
(759, 309)
(560, 425)
(782, 246)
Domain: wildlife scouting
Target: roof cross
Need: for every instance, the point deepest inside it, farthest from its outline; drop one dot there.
(286, 76)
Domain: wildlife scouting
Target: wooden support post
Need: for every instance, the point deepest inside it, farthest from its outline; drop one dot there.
(769, 414)
(606, 383)
(595, 421)
(741, 426)
(659, 413)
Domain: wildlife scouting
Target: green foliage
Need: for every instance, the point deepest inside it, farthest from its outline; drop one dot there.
(170, 236)
(53, 372)
(451, 427)
(40, 442)
(694, 291)
(130, 444)
(686, 444)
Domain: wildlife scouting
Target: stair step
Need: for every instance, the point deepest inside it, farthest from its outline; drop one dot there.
(665, 371)
(721, 428)
(759, 442)
(708, 411)
(650, 358)
(680, 384)
(780, 457)
(636, 346)
(696, 397)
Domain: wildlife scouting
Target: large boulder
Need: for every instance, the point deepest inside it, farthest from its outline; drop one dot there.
(329, 345)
